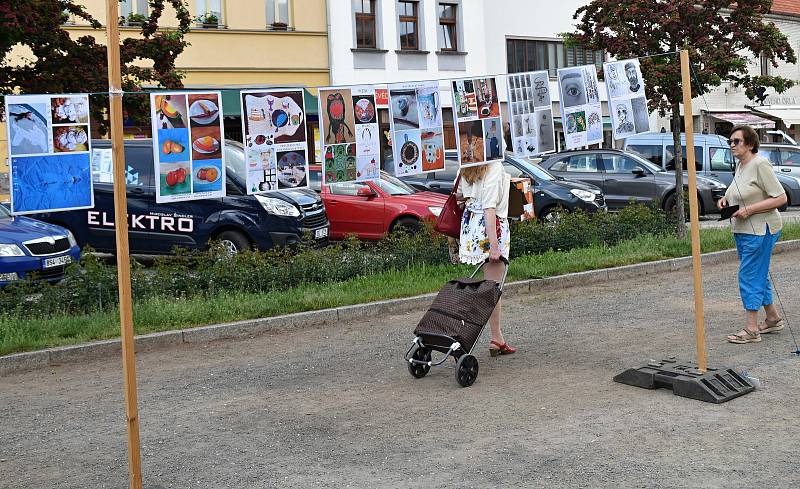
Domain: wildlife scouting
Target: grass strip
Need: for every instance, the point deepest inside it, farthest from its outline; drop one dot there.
(166, 314)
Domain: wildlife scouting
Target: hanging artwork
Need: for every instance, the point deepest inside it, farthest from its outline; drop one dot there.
(478, 124)
(626, 99)
(417, 128)
(350, 134)
(581, 112)
(49, 147)
(531, 113)
(275, 144)
(188, 145)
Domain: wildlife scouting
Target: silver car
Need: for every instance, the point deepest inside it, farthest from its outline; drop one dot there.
(785, 158)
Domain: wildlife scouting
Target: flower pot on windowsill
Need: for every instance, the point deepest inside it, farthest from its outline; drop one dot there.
(279, 26)
(210, 25)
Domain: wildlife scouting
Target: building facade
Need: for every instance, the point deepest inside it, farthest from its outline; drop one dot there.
(232, 44)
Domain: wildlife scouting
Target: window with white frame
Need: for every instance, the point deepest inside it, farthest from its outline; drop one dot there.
(210, 12)
(136, 7)
(278, 14)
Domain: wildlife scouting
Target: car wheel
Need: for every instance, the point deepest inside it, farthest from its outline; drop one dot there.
(233, 241)
(408, 225)
(552, 215)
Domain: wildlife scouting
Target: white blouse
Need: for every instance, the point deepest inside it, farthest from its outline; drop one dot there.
(491, 191)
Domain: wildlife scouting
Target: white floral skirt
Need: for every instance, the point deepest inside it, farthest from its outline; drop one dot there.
(474, 242)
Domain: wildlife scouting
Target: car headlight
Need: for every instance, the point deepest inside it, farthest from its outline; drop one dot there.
(7, 249)
(435, 210)
(71, 238)
(584, 195)
(277, 207)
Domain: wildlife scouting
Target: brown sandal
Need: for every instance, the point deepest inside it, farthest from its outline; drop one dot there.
(772, 326)
(745, 336)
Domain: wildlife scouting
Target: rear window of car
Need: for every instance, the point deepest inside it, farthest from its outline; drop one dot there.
(586, 163)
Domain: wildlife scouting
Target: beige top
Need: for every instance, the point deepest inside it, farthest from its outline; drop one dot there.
(754, 182)
(491, 191)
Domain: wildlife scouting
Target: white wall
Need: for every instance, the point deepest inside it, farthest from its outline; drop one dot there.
(342, 41)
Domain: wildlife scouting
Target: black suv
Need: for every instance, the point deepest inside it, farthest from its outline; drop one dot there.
(627, 177)
(239, 221)
(551, 194)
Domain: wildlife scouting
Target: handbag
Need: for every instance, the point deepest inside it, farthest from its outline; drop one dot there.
(449, 220)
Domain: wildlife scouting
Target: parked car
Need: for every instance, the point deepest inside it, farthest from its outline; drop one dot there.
(785, 158)
(712, 154)
(34, 249)
(239, 221)
(626, 177)
(371, 209)
(551, 194)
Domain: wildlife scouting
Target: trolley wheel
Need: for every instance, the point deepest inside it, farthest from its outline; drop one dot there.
(417, 370)
(466, 370)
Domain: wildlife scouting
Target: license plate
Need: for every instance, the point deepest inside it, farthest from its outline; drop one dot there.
(57, 261)
(320, 233)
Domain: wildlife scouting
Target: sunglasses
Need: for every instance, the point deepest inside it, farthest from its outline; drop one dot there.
(735, 142)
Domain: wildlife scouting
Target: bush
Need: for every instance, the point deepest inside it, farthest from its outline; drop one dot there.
(91, 284)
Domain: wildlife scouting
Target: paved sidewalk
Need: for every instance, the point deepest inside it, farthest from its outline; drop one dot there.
(333, 406)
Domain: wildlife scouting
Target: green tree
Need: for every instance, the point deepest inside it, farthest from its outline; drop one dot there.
(61, 64)
(721, 36)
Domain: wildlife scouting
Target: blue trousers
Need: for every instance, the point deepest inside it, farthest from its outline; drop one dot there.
(754, 256)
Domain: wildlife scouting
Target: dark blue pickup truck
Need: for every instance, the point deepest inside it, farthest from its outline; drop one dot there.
(239, 221)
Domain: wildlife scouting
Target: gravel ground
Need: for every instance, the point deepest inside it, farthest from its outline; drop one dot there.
(335, 406)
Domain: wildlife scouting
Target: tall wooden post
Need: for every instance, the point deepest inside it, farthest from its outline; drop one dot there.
(123, 254)
(700, 333)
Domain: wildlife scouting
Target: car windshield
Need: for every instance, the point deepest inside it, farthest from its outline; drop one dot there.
(644, 163)
(234, 160)
(392, 186)
(4, 212)
(539, 173)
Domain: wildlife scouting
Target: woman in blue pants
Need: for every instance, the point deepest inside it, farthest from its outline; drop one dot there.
(756, 228)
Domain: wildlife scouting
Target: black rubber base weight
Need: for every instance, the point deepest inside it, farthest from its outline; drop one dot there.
(717, 385)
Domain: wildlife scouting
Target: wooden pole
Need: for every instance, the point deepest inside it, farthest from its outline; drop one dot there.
(123, 254)
(699, 320)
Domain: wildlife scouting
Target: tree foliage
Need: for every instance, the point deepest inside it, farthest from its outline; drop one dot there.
(62, 64)
(722, 37)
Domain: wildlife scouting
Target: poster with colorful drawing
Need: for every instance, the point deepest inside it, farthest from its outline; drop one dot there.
(49, 149)
(350, 134)
(581, 112)
(275, 140)
(415, 112)
(479, 127)
(531, 113)
(188, 145)
(626, 99)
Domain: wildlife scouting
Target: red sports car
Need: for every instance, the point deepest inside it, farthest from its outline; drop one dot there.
(371, 209)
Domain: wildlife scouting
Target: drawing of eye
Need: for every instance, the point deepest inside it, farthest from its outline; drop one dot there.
(573, 90)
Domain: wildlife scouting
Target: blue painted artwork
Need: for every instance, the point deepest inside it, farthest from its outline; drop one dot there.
(51, 182)
(207, 175)
(173, 145)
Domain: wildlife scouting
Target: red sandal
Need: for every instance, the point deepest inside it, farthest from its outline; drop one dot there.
(501, 349)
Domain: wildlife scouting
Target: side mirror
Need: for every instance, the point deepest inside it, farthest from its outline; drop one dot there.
(365, 191)
(638, 171)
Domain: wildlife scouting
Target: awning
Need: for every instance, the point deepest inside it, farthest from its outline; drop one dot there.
(744, 118)
(789, 115)
(232, 103)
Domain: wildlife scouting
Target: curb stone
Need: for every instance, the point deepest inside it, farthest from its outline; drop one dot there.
(254, 327)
